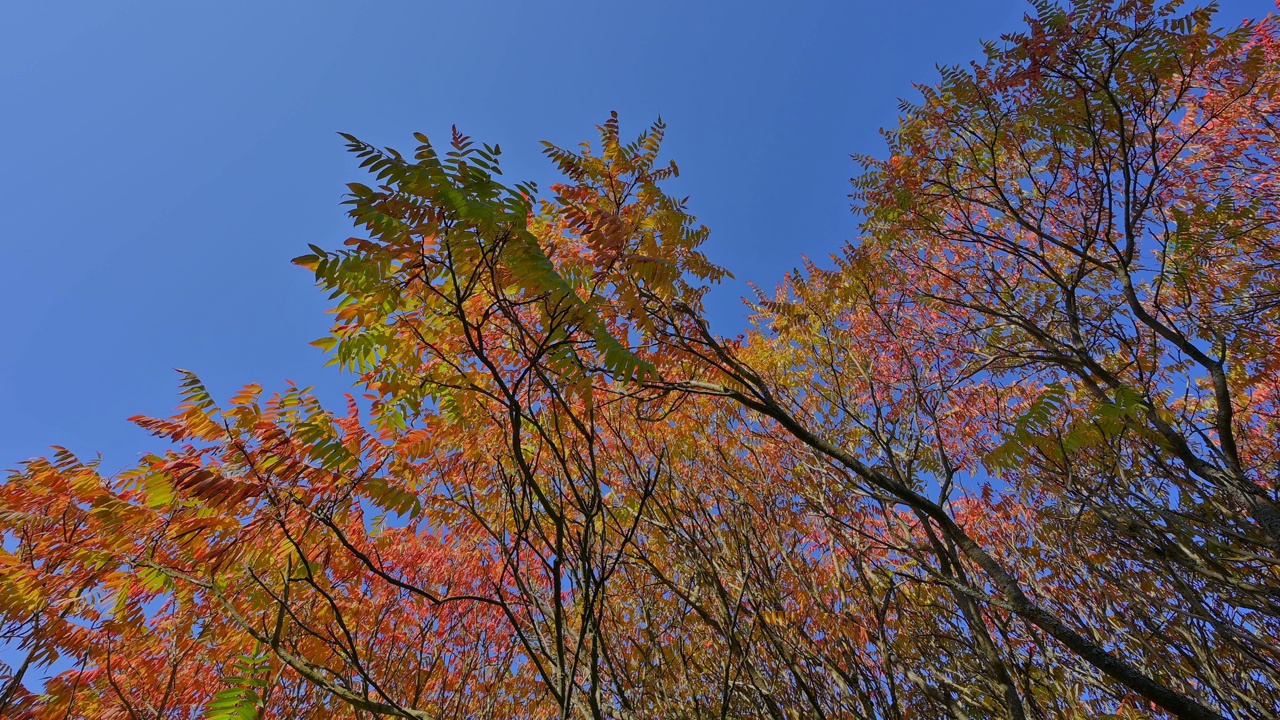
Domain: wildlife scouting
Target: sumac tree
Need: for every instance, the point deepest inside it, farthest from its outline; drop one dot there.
(1012, 453)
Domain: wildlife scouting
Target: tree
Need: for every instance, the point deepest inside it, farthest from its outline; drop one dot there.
(1011, 454)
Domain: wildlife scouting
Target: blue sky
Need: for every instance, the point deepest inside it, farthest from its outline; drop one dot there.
(163, 161)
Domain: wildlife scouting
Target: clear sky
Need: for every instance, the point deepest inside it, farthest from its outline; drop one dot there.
(163, 161)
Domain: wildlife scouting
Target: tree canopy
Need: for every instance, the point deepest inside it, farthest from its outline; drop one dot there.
(1012, 453)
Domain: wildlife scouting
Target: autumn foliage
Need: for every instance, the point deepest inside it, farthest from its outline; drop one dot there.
(1011, 454)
